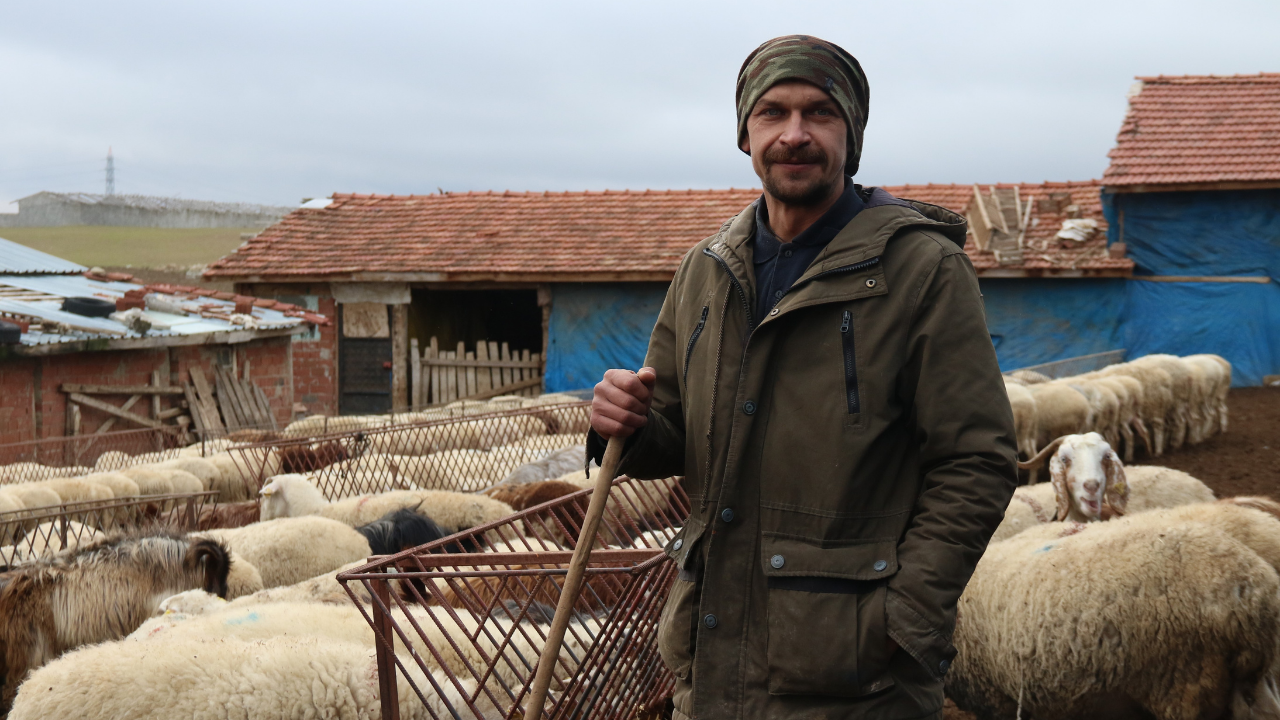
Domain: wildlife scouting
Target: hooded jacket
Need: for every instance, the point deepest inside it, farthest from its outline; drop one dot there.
(848, 456)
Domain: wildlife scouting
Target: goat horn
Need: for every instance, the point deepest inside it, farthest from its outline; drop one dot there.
(1040, 457)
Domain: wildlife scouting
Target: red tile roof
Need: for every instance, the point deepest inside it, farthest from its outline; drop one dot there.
(572, 236)
(1199, 129)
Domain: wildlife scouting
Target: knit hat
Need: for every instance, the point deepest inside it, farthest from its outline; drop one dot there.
(816, 61)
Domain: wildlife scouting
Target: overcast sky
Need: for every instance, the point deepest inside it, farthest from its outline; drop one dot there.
(273, 102)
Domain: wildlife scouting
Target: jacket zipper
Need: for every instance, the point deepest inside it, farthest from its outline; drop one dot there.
(848, 268)
(688, 353)
(746, 306)
(850, 362)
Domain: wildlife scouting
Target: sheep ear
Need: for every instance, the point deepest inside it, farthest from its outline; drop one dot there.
(267, 490)
(1058, 476)
(1117, 492)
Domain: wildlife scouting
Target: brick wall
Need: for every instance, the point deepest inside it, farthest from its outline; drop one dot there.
(315, 356)
(32, 404)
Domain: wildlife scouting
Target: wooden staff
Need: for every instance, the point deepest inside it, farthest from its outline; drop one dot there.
(573, 581)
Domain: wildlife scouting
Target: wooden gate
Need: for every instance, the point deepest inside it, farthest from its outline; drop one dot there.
(492, 369)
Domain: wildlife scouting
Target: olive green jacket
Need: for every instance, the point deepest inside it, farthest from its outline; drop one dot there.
(847, 459)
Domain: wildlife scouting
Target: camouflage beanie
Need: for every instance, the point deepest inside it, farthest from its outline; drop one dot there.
(816, 61)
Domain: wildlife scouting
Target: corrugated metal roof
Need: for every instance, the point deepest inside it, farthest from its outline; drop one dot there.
(18, 259)
(65, 327)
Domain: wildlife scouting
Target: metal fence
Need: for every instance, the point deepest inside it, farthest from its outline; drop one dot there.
(464, 453)
(1076, 365)
(472, 611)
(75, 455)
(40, 532)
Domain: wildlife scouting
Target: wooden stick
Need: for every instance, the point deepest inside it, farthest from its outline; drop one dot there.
(573, 580)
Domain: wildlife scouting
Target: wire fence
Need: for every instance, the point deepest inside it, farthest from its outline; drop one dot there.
(472, 611)
(36, 533)
(1074, 366)
(464, 452)
(62, 457)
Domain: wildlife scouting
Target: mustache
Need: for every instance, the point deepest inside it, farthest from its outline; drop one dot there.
(803, 155)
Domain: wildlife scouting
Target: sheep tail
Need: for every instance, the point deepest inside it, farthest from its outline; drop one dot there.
(213, 560)
(1041, 456)
(1257, 502)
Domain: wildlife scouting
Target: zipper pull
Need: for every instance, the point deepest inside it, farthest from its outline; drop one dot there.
(844, 327)
(705, 308)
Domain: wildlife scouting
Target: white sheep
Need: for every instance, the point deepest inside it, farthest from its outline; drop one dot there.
(150, 480)
(261, 679)
(290, 550)
(1178, 416)
(1025, 423)
(295, 496)
(1137, 615)
(202, 468)
(1060, 410)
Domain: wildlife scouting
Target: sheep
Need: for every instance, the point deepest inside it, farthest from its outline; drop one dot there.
(1177, 417)
(1216, 373)
(1152, 487)
(100, 591)
(1060, 410)
(1129, 422)
(120, 485)
(1030, 506)
(289, 550)
(1025, 423)
(74, 491)
(529, 494)
(302, 459)
(553, 465)
(1029, 377)
(1104, 407)
(229, 515)
(10, 503)
(203, 469)
(242, 577)
(323, 588)
(296, 496)
(258, 679)
(645, 501)
(184, 482)
(1131, 616)
(150, 480)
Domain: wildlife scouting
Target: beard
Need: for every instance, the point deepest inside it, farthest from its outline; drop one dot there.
(800, 193)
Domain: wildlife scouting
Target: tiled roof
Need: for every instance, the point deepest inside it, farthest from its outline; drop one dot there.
(1199, 129)
(611, 235)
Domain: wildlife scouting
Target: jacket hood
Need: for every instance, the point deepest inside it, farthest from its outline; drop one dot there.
(950, 224)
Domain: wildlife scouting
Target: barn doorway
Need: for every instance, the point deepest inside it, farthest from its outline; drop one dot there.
(364, 359)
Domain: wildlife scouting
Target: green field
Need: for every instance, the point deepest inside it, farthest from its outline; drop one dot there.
(108, 246)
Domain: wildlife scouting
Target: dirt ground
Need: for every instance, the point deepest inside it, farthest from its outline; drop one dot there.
(1243, 461)
(1246, 459)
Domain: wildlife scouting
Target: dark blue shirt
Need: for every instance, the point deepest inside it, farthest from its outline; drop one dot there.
(778, 265)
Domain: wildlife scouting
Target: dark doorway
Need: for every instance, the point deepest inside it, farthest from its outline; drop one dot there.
(364, 359)
(467, 316)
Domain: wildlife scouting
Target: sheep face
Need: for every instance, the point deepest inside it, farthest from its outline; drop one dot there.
(1088, 479)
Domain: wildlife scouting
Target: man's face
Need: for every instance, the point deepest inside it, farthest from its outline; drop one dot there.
(798, 142)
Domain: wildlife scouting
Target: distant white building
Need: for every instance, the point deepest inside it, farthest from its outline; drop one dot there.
(50, 209)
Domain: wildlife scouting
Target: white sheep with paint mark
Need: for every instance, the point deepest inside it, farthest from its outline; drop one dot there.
(295, 495)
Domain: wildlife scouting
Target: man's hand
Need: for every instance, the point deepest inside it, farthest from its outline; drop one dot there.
(621, 402)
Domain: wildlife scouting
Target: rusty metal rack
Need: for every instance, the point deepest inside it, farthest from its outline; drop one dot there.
(470, 612)
(40, 532)
(465, 453)
(58, 457)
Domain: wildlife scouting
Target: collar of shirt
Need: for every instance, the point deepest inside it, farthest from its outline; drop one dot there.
(767, 245)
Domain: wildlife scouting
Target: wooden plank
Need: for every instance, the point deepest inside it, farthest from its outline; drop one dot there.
(399, 357)
(120, 389)
(365, 320)
(1261, 279)
(507, 378)
(415, 374)
(433, 354)
(205, 400)
(222, 399)
(537, 357)
(268, 416)
(248, 402)
(155, 399)
(504, 389)
(472, 375)
(449, 362)
(170, 412)
(495, 376)
(113, 410)
(230, 402)
(193, 404)
(484, 380)
(450, 381)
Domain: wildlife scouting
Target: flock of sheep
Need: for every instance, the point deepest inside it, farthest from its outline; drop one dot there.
(1116, 589)
(1154, 403)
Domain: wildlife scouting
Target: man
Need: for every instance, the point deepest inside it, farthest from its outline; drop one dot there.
(822, 376)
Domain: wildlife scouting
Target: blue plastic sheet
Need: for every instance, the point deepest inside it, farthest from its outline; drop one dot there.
(1206, 233)
(597, 326)
(1035, 321)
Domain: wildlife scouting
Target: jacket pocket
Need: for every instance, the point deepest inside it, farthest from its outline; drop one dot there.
(827, 631)
(676, 631)
(852, 399)
(693, 340)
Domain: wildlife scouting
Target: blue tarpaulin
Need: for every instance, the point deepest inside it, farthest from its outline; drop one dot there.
(1034, 321)
(597, 326)
(1206, 233)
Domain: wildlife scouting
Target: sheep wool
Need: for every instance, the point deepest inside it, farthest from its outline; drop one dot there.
(206, 471)
(1134, 615)
(296, 495)
(120, 485)
(289, 550)
(1030, 506)
(1152, 487)
(242, 578)
(150, 480)
(78, 490)
(262, 679)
